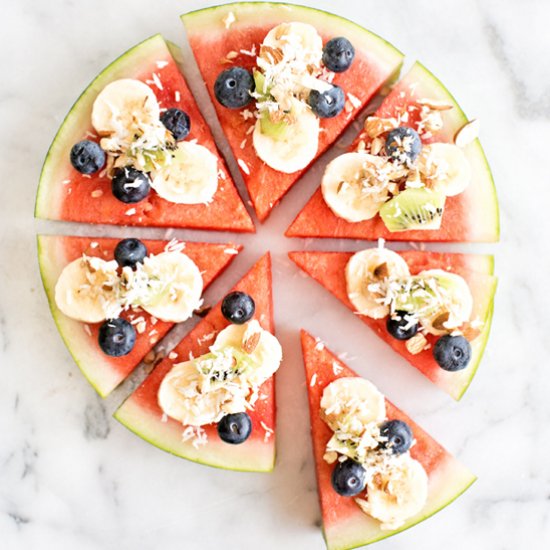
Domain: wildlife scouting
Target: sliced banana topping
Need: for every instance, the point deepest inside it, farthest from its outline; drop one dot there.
(88, 290)
(396, 493)
(127, 113)
(173, 286)
(349, 404)
(445, 168)
(355, 186)
(191, 177)
(450, 304)
(367, 276)
(294, 148)
(223, 381)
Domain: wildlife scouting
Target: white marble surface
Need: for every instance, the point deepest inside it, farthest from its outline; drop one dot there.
(72, 477)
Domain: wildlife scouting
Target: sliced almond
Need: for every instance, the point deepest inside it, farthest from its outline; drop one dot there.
(376, 145)
(435, 104)
(250, 344)
(416, 344)
(468, 133)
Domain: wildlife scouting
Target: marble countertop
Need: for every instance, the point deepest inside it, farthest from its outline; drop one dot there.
(72, 477)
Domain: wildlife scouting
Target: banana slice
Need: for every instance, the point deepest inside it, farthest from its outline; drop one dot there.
(354, 186)
(296, 147)
(297, 40)
(88, 290)
(188, 395)
(452, 302)
(123, 109)
(190, 178)
(262, 349)
(397, 494)
(172, 286)
(367, 273)
(445, 168)
(349, 404)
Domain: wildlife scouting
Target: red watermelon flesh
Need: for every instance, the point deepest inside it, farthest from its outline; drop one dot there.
(211, 40)
(328, 269)
(468, 217)
(102, 371)
(344, 524)
(65, 194)
(141, 413)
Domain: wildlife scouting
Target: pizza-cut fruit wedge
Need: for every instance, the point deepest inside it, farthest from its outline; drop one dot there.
(230, 35)
(66, 194)
(471, 216)
(328, 269)
(345, 525)
(142, 414)
(104, 372)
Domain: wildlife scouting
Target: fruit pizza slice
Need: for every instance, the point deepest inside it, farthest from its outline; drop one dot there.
(416, 172)
(135, 150)
(212, 400)
(432, 308)
(285, 81)
(378, 472)
(113, 300)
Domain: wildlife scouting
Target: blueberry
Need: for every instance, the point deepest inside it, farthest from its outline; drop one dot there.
(130, 185)
(238, 307)
(116, 337)
(452, 353)
(327, 104)
(233, 87)
(130, 252)
(349, 478)
(399, 436)
(177, 122)
(235, 428)
(403, 144)
(87, 157)
(338, 54)
(401, 325)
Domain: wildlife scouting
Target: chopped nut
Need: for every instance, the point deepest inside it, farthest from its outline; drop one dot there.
(416, 344)
(249, 345)
(361, 146)
(330, 457)
(469, 332)
(376, 145)
(435, 104)
(96, 193)
(202, 311)
(467, 133)
(375, 126)
(271, 55)
(382, 271)
(439, 322)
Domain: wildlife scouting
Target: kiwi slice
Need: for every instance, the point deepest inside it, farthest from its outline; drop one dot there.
(415, 208)
(259, 85)
(275, 130)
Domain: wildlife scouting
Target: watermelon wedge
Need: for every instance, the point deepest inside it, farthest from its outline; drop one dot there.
(345, 526)
(241, 27)
(141, 413)
(102, 371)
(328, 269)
(471, 216)
(65, 194)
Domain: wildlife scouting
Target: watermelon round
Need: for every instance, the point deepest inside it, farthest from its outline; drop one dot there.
(239, 29)
(103, 372)
(141, 413)
(328, 269)
(345, 526)
(65, 194)
(471, 216)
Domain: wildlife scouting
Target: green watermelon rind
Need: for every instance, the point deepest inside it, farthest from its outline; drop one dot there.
(474, 150)
(466, 480)
(133, 417)
(71, 332)
(78, 117)
(360, 36)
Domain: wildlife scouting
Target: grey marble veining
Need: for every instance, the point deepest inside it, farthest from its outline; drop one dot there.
(72, 477)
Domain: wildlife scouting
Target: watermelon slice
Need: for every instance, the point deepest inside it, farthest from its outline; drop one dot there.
(65, 194)
(141, 413)
(344, 524)
(241, 27)
(471, 216)
(102, 371)
(328, 269)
